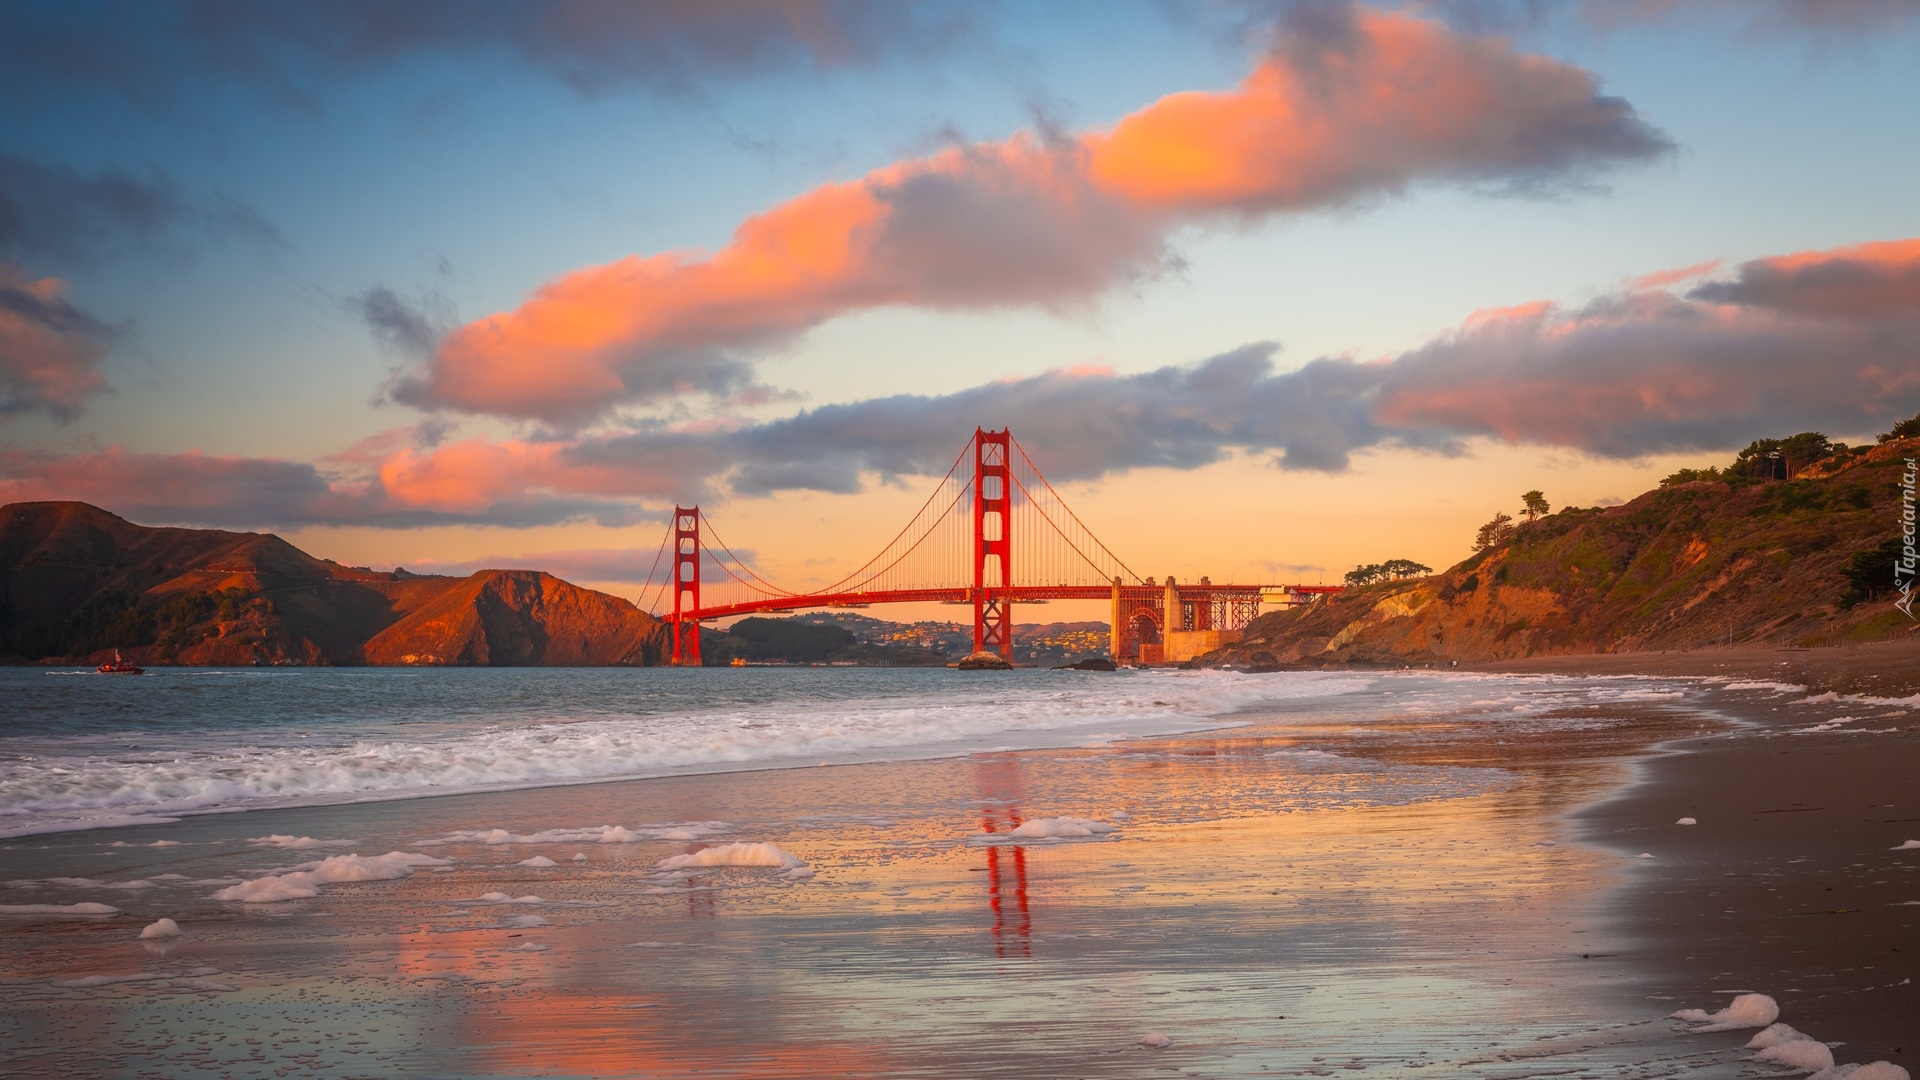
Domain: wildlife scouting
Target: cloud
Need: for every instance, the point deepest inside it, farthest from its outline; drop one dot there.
(397, 324)
(51, 212)
(1865, 281)
(50, 351)
(1778, 345)
(157, 50)
(1830, 19)
(1363, 106)
(218, 491)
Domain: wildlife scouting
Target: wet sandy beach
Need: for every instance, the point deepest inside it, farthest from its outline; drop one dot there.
(1241, 905)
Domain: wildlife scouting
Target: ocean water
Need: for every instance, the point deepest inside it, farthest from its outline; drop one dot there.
(80, 750)
(1002, 875)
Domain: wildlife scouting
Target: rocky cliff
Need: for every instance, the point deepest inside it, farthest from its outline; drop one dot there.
(518, 618)
(1806, 561)
(77, 582)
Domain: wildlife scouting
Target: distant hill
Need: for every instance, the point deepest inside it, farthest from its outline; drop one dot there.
(79, 582)
(1695, 563)
(878, 642)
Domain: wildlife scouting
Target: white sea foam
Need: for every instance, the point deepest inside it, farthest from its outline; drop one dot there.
(1811, 1055)
(58, 909)
(736, 854)
(165, 928)
(296, 843)
(1908, 846)
(597, 834)
(1686, 821)
(1056, 828)
(305, 880)
(1156, 1039)
(1744, 1011)
(78, 785)
(503, 898)
(540, 861)
(1773, 1035)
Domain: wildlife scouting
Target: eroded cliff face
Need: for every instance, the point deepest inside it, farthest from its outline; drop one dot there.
(77, 582)
(518, 618)
(1677, 568)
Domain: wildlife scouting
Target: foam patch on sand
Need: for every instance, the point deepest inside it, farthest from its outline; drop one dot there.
(597, 834)
(1686, 821)
(58, 909)
(503, 898)
(538, 861)
(305, 880)
(1805, 1053)
(1910, 845)
(1057, 828)
(736, 854)
(165, 928)
(296, 843)
(166, 843)
(1776, 687)
(1782, 1044)
(1744, 1011)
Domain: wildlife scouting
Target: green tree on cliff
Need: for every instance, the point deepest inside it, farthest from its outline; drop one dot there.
(1535, 505)
(1905, 429)
(1493, 533)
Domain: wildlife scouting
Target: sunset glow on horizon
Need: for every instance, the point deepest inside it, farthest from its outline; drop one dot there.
(476, 289)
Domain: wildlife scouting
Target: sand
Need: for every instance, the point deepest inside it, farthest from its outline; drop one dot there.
(1509, 933)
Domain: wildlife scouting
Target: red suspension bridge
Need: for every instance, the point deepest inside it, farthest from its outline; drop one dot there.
(993, 533)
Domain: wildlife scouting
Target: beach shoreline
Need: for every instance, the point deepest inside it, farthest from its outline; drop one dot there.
(1255, 929)
(1793, 882)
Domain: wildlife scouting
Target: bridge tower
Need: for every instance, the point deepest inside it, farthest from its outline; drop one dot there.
(686, 585)
(992, 541)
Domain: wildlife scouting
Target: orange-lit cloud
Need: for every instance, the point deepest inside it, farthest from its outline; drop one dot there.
(1827, 339)
(1863, 281)
(1779, 346)
(49, 350)
(1367, 105)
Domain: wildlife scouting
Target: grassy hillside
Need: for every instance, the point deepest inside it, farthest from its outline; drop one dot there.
(1696, 563)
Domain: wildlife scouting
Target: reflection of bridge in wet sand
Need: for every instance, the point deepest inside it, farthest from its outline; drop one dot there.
(988, 538)
(998, 777)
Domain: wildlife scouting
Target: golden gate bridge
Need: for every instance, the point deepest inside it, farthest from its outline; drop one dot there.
(989, 536)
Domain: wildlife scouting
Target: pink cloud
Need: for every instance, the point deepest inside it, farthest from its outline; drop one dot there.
(1041, 220)
(50, 351)
(1776, 347)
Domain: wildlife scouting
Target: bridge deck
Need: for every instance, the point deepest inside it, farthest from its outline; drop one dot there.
(1014, 594)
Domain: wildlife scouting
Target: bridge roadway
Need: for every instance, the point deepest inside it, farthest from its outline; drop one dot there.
(1137, 594)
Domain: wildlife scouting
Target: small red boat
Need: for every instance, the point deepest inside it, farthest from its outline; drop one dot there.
(119, 667)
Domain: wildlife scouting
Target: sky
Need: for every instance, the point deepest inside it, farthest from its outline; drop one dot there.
(1267, 289)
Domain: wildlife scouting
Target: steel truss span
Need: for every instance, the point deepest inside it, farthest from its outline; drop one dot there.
(991, 534)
